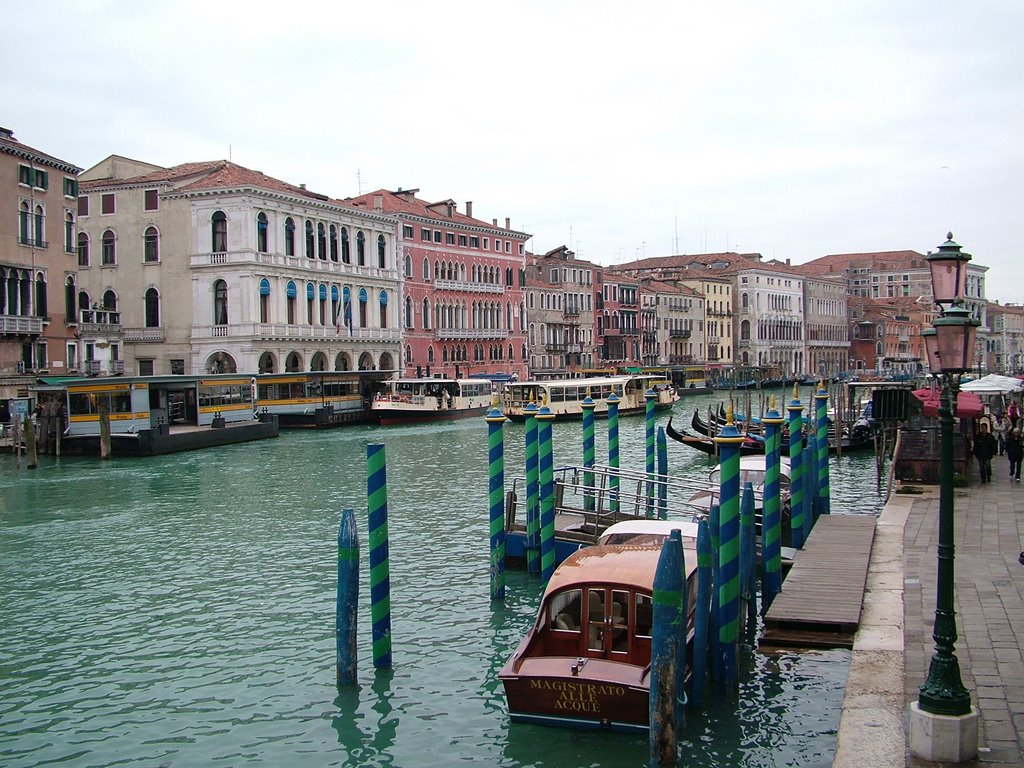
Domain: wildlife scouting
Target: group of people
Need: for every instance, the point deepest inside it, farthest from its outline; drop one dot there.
(1004, 438)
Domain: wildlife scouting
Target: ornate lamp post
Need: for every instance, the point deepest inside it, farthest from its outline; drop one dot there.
(950, 351)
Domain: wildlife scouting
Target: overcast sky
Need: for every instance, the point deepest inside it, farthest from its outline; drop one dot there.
(793, 129)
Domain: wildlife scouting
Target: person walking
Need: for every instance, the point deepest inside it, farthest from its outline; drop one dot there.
(984, 449)
(1013, 411)
(1015, 452)
(1003, 428)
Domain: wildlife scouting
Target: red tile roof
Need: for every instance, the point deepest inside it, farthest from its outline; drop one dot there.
(12, 146)
(839, 262)
(405, 202)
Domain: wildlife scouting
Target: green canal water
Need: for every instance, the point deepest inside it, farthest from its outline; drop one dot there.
(179, 611)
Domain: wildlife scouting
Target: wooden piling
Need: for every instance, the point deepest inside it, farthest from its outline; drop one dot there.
(668, 588)
(347, 608)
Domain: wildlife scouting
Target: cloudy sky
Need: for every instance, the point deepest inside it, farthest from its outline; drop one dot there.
(794, 129)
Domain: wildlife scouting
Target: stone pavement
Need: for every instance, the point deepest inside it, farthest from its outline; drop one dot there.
(894, 645)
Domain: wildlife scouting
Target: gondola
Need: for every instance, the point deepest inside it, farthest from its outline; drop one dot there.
(863, 440)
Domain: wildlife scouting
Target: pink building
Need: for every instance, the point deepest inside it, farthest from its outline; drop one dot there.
(463, 310)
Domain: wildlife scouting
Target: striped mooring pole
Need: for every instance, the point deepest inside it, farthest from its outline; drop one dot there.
(667, 598)
(715, 663)
(662, 474)
(682, 633)
(649, 398)
(613, 451)
(728, 441)
(532, 492)
(347, 608)
(588, 406)
(545, 461)
(702, 613)
(771, 514)
(796, 475)
(809, 462)
(824, 505)
(496, 487)
(380, 567)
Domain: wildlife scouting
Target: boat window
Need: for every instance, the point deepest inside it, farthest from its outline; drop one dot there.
(564, 610)
(595, 603)
(644, 615)
(620, 620)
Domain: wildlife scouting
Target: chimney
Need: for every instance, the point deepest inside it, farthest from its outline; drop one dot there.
(7, 133)
(787, 262)
(302, 186)
(508, 223)
(378, 202)
(494, 222)
(469, 208)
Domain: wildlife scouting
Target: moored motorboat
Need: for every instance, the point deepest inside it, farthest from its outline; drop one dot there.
(586, 661)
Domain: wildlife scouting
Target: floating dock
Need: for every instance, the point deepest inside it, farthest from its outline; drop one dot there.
(821, 598)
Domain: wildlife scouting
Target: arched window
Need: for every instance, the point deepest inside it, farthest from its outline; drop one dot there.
(408, 312)
(261, 232)
(151, 245)
(430, 355)
(426, 269)
(333, 235)
(219, 230)
(40, 308)
(109, 254)
(69, 232)
(408, 266)
(745, 330)
(322, 294)
(69, 300)
(290, 293)
(310, 301)
(220, 303)
(83, 249)
(345, 256)
(426, 314)
(40, 229)
(289, 237)
(264, 300)
(360, 249)
(152, 308)
(110, 301)
(24, 232)
(381, 252)
(309, 240)
(383, 301)
(363, 298)
(321, 242)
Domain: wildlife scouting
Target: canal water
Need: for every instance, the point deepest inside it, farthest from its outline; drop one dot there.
(179, 611)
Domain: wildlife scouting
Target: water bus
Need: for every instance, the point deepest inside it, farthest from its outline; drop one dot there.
(565, 397)
(405, 401)
(586, 661)
(317, 399)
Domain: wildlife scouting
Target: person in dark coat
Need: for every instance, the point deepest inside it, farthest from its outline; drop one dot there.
(984, 449)
(1015, 452)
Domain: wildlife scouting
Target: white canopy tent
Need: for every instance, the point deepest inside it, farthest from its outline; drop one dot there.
(993, 384)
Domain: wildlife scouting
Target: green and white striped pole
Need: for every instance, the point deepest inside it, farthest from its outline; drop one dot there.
(532, 492)
(666, 616)
(545, 461)
(649, 398)
(380, 568)
(824, 505)
(729, 441)
(796, 473)
(496, 487)
(588, 406)
(771, 518)
(613, 451)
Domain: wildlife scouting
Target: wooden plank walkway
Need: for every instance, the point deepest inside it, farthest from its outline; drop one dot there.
(821, 598)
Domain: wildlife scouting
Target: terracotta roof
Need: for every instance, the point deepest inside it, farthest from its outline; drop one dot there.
(405, 202)
(14, 147)
(839, 262)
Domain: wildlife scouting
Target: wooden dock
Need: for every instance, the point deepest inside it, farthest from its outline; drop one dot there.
(821, 598)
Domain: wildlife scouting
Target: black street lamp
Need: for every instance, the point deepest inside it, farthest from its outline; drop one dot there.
(950, 352)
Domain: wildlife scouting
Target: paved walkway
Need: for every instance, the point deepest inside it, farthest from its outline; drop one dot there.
(894, 645)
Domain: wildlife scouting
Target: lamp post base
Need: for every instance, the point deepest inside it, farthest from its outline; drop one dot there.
(943, 738)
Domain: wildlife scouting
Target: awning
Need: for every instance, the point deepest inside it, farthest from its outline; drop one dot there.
(968, 404)
(993, 384)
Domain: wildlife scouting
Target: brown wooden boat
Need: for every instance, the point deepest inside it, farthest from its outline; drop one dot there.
(586, 661)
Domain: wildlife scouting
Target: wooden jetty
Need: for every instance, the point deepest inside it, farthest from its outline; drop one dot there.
(820, 601)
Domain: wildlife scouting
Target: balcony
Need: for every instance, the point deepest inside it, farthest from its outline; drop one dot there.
(16, 324)
(556, 348)
(144, 335)
(288, 332)
(465, 285)
(33, 242)
(680, 333)
(447, 334)
(99, 322)
(338, 268)
(680, 359)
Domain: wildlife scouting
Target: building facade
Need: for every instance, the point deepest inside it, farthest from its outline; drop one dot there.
(1005, 349)
(213, 267)
(827, 331)
(37, 265)
(770, 319)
